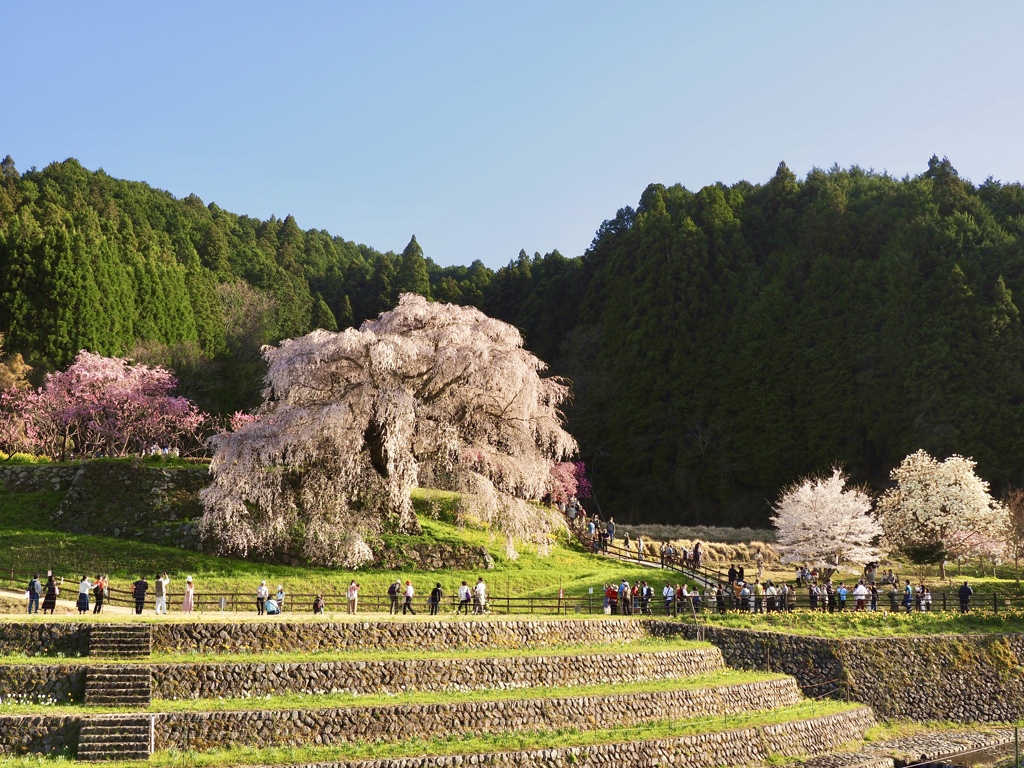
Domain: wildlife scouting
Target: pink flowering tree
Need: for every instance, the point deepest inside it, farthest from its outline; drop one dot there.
(352, 420)
(101, 406)
(568, 479)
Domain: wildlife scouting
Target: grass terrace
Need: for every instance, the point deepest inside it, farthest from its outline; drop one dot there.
(452, 744)
(299, 701)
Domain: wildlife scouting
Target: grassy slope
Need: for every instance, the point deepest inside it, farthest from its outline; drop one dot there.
(28, 543)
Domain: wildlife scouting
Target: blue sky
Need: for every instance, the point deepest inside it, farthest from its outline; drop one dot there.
(484, 128)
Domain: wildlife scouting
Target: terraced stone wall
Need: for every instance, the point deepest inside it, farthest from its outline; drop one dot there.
(209, 680)
(736, 747)
(64, 684)
(251, 637)
(38, 734)
(47, 639)
(207, 730)
(968, 678)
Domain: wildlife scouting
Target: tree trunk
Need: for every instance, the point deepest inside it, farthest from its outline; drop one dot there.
(942, 569)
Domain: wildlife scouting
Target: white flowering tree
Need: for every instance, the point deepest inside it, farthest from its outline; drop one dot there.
(940, 510)
(351, 421)
(821, 522)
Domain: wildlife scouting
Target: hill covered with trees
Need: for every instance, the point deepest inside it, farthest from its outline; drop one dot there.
(721, 343)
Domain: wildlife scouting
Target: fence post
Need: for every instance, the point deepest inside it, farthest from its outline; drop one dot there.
(944, 600)
(995, 602)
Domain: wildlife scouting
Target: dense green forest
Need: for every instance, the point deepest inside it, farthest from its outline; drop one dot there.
(721, 343)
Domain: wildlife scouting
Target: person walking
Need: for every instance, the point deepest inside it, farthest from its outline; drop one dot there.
(84, 588)
(353, 597)
(435, 598)
(409, 593)
(465, 598)
(139, 589)
(480, 593)
(35, 587)
(188, 601)
(964, 593)
(160, 593)
(50, 597)
(99, 591)
(262, 593)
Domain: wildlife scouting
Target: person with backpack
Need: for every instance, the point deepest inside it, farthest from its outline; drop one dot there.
(393, 591)
(34, 588)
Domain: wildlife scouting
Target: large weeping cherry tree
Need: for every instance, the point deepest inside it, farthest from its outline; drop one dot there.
(352, 421)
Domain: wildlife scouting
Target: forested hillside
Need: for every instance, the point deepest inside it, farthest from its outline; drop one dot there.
(721, 343)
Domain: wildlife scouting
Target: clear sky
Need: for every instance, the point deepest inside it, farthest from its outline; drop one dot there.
(484, 128)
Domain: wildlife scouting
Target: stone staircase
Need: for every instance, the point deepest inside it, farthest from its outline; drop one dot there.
(116, 737)
(125, 641)
(118, 686)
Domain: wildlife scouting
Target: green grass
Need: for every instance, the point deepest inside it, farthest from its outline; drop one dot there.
(646, 645)
(452, 744)
(874, 624)
(29, 543)
(298, 701)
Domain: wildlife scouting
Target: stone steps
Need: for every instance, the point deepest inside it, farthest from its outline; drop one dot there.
(115, 737)
(121, 640)
(118, 686)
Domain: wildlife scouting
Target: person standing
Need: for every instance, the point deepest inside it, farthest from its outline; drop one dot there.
(99, 591)
(964, 593)
(280, 598)
(84, 588)
(188, 601)
(409, 593)
(50, 598)
(481, 595)
(353, 597)
(318, 604)
(670, 597)
(435, 598)
(262, 593)
(465, 598)
(160, 592)
(139, 589)
(34, 588)
(393, 591)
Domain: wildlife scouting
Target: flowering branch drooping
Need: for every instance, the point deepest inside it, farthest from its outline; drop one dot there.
(821, 522)
(352, 420)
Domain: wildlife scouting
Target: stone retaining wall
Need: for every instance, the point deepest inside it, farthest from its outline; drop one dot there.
(967, 678)
(207, 637)
(709, 750)
(38, 734)
(206, 680)
(47, 639)
(207, 730)
(63, 683)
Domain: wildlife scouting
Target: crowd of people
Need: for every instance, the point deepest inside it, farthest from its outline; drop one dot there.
(599, 536)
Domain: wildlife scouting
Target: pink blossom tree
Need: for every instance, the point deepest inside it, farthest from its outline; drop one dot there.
(351, 421)
(101, 406)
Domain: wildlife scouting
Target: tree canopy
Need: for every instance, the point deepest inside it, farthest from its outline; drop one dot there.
(721, 343)
(352, 421)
